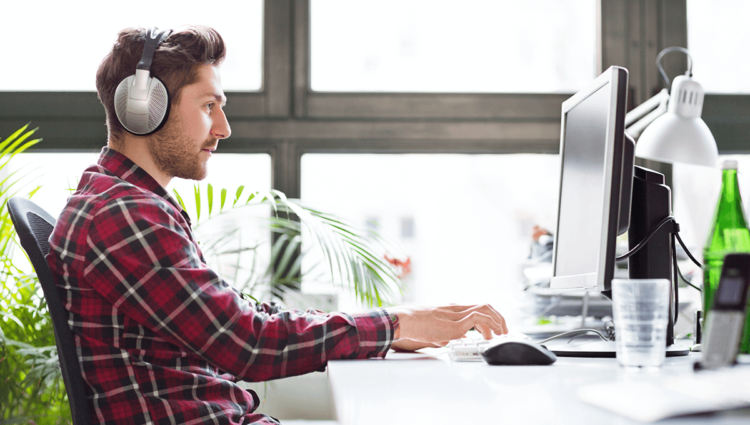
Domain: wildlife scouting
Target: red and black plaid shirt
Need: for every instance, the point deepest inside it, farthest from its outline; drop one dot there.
(161, 338)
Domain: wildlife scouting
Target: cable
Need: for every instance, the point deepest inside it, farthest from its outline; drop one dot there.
(676, 283)
(643, 243)
(687, 282)
(688, 252)
(574, 333)
(689, 72)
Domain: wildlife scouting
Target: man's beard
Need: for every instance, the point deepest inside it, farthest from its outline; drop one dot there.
(170, 150)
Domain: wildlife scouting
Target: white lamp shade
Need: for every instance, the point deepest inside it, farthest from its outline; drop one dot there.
(672, 138)
(680, 135)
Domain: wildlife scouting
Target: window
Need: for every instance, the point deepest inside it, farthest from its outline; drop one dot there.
(465, 221)
(546, 46)
(60, 48)
(721, 51)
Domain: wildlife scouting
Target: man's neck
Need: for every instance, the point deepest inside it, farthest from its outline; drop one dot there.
(136, 150)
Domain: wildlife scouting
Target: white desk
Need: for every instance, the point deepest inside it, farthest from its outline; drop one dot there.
(423, 389)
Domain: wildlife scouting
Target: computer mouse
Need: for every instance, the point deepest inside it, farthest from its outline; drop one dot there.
(518, 353)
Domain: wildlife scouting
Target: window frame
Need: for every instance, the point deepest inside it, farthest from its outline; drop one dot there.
(286, 119)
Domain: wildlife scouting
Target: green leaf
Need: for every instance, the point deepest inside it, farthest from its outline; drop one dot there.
(210, 195)
(35, 190)
(197, 190)
(179, 198)
(13, 136)
(223, 199)
(237, 195)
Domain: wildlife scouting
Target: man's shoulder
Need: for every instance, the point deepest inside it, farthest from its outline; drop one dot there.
(101, 191)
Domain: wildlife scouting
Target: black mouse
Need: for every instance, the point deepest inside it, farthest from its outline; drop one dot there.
(518, 353)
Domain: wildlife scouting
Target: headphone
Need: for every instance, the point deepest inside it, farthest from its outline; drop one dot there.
(141, 100)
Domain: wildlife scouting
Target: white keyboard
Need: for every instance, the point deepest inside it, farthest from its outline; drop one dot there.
(471, 347)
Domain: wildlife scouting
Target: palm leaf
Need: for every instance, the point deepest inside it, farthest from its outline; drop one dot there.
(210, 193)
(354, 256)
(197, 191)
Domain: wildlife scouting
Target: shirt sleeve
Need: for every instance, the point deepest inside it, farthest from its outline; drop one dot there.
(144, 262)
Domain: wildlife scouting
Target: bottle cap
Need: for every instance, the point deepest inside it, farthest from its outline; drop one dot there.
(729, 164)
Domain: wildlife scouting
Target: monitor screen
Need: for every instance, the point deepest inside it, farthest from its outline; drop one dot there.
(591, 150)
(582, 189)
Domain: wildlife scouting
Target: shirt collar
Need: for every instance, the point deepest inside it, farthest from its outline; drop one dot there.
(121, 166)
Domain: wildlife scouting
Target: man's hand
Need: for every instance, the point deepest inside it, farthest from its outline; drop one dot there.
(435, 326)
(408, 345)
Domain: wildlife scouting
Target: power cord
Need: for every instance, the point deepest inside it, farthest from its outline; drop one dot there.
(689, 72)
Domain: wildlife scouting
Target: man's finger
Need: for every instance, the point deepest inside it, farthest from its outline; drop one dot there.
(476, 318)
(461, 312)
(486, 332)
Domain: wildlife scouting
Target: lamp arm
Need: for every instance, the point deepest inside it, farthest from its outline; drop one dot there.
(636, 129)
(644, 108)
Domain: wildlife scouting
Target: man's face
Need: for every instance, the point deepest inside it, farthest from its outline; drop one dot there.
(195, 126)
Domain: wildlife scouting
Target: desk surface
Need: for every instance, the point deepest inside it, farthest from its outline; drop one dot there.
(430, 389)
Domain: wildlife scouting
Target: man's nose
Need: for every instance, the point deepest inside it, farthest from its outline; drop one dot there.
(221, 128)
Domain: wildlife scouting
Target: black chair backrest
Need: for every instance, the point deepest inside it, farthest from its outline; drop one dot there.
(34, 226)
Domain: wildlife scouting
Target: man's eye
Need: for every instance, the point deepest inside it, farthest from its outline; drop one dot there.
(210, 106)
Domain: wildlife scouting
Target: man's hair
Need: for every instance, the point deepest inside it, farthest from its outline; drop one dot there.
(175, 62)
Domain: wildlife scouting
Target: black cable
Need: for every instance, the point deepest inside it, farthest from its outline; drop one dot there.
(679, 239)
(688, 252)
(676, 283)
(643, 243)
(687, 282)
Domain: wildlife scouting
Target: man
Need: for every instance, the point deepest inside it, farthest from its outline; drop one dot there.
(161, 338)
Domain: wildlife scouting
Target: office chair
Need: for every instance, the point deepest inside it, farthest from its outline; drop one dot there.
(34, 226)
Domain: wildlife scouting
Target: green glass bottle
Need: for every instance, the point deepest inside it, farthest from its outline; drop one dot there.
(729, 234)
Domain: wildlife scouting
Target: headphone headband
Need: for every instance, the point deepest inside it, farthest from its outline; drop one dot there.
(154, 37)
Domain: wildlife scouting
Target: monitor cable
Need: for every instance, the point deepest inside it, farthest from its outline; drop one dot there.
(677, 274)
(674, 232)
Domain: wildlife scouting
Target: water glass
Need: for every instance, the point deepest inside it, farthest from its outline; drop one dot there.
(641, 310)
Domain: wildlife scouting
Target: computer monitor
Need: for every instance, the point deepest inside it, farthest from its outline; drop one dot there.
(596, 177)
(594, 207)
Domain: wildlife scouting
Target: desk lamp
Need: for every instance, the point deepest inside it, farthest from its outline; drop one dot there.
(668, 127)
(670, 130)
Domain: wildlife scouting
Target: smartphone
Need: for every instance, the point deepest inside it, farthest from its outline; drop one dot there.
(725, 320)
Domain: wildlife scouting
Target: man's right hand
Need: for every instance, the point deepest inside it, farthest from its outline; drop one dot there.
(438, 325)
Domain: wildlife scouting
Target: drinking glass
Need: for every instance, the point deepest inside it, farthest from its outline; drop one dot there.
(641, 310)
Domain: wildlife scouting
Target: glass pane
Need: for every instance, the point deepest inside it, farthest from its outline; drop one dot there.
(465, 221)
(61, 48)
(718, 37)
(534, 46)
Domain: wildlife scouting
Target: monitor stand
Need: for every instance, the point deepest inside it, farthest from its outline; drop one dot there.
(586, 347)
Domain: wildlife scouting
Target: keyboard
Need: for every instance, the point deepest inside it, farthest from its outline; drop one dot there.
(471, 347)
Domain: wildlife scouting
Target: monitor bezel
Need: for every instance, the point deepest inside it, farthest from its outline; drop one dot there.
(617, 78)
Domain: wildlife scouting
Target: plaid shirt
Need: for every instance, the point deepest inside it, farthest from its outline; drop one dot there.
(161, 338)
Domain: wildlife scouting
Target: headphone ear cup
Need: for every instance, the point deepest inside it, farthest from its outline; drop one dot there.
(142, 117)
